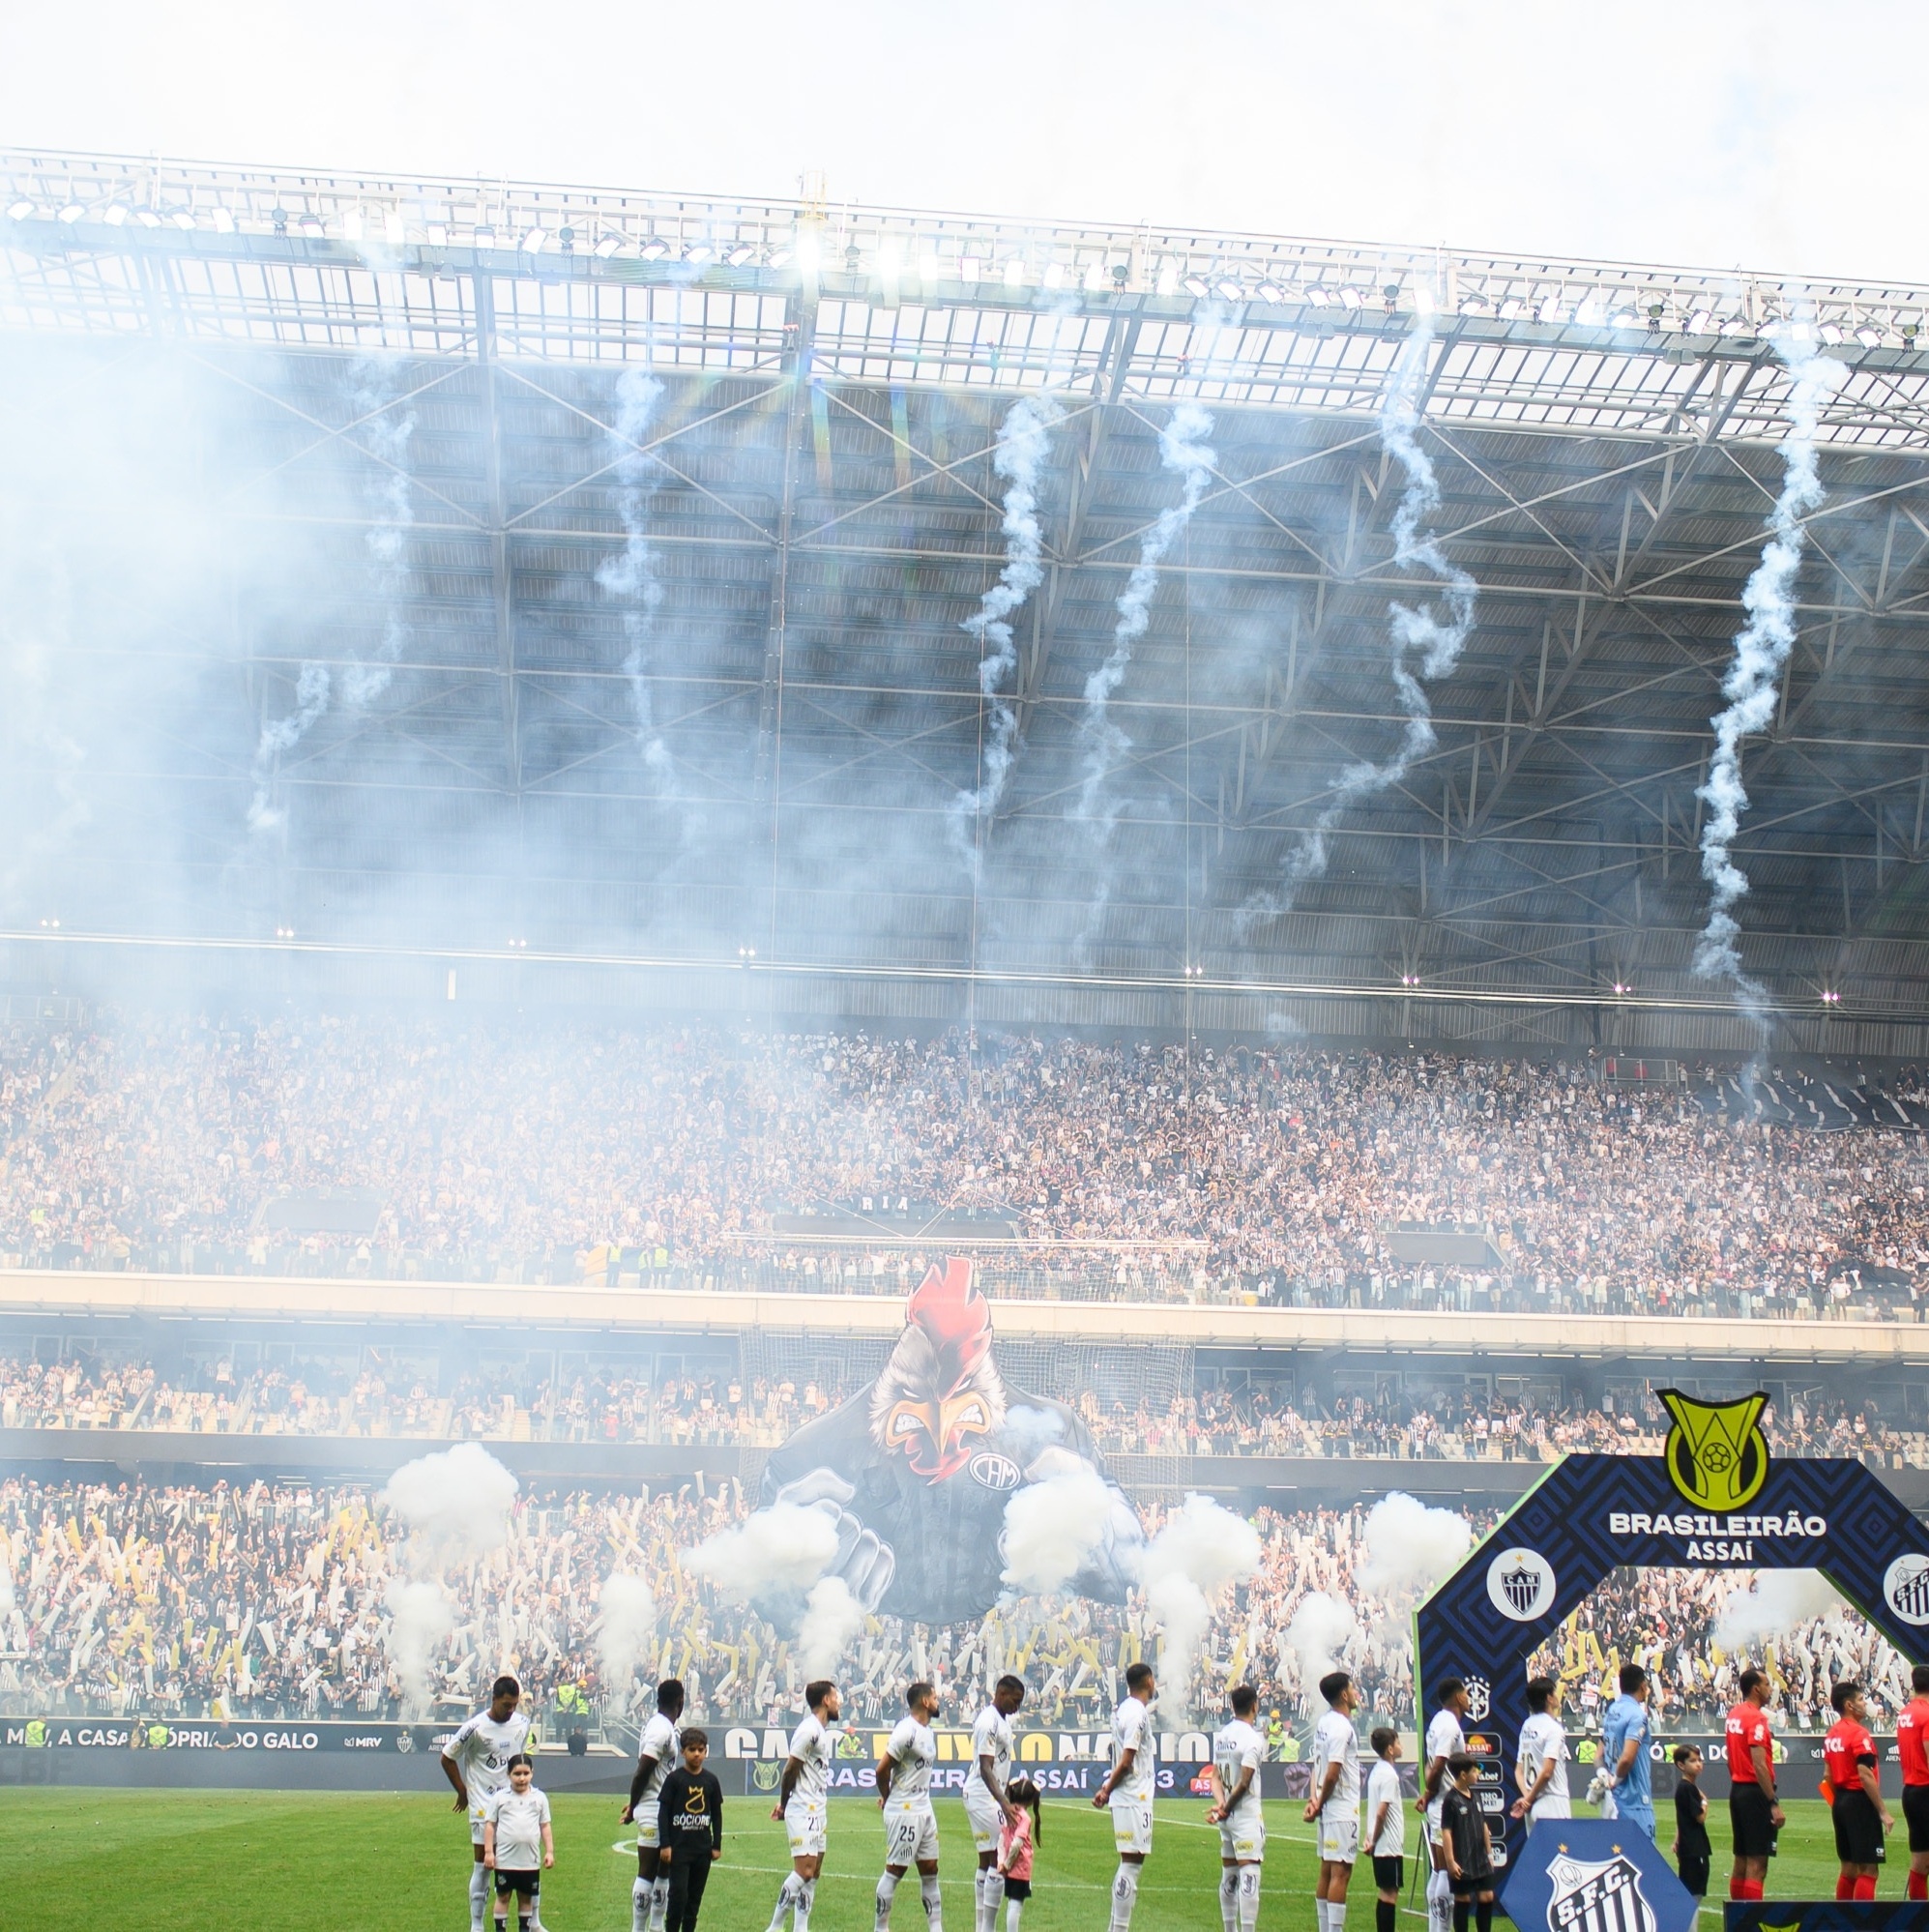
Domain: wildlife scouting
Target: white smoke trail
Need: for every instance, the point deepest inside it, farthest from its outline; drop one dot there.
(626, 1621)
(420, 1619)
(1052, 1529)
(787, 1546)
(832, 1618)
(1409, 1546)
(1771, 1603)
(1202, 1547)
(1320, 1629)
(632, 574)
(1761, 648)
(456, 1504)
(1182, 450)
(311, 690)
(1023, 438)
(1437, 632)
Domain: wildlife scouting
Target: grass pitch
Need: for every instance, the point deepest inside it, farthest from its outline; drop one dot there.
(88, 1861)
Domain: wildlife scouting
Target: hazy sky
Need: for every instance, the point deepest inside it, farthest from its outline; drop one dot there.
(1764, 136)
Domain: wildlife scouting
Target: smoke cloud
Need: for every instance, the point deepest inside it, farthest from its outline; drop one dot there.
(1771, 1603)
(1052, 1529)
(1435, 631)
(631, 576)
(1023, 439)
(627, 1620)
(832, 1618)
(311, 693)
(1409, 1546)
(456, 1504)
(420, 1619)
(1320, 1629)
(1761, 648)
(787, 1547)
(1202, 1548)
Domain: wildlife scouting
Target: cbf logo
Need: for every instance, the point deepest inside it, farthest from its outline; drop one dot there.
(1716, 1454)
(1480, 1698)
(1906, 1587)
(1603, 1897)
(1520, 1584)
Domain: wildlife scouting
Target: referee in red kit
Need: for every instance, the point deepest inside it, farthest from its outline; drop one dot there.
(1753, 1809)
(1911, 1746)
(1860, 1818)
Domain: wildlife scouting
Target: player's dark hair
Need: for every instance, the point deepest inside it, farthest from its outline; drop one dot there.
(1748, 1680)
(1539, 1690)
(1333, 1683)
(1682, 1753)
(670, 1696)
(1633, 1678)
(1451, 1687)
(505, 1686)
(1009, 1683)
(1245, 1700)
(816, 1691)
(1138, 1676)
(694, 1736)
(915, 1694)
(1383, 1739)
(1022, 1790)
(526, 1762)
(1843, 1691)
(1918, 1678)
(1461, 1762)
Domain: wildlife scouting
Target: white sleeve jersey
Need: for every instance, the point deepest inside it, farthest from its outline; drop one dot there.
(810, 1746)
(1336, 1743)
(1444, 1739)
(991, 1736)
(1132, 1730)
(1541, 1737)
(1382, 1786)
(658, 1742)
(518, 1823)
(913, 1750)
(481, 1750)
(1237, 1748)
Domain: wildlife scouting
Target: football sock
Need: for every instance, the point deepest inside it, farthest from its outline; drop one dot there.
(1229, 1899)
(1462, 1912)
(1385, 1916)
(1918, 1885)
(1752, 1887)
(1320, 1914)
(887, 1890)
(1125, 1895)
(789, 1900)
(1336, 1915)
(977, 1899)
(523, 1922)
(1249, 1899)
(641, 1896)
(1865, 1886)
(994, 1897)
(1845, 1885)
(660, 1903)
(1735, 1888)
(479, 1895)
(1483, 1915)
(802, 1922)
(934, 1901)
(1012, 1914)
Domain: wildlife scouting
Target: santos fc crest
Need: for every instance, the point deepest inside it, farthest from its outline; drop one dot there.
(1716, 1454)
(1603, 1897)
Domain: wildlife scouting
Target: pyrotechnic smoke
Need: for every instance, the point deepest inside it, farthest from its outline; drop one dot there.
(420, 1619)
(1182, 450)
(787, 1547)
(1202, 1548)
(456, 1504)
(1771, 1603)
(1052, 1529)
(1319, 1632)
(1023, 438)
(632, 574)
(1409, 1546)
(832, 1618)
(1761, 648)
(626, 1621)
(1436, 631)
(311, 690)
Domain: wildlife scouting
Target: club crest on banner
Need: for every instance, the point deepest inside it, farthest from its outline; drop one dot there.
(1597, 1896)
(1716, 1454)
(1906, 1587)
(1520, 1584)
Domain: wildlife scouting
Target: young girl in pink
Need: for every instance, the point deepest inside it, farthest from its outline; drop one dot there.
(1015, 1846)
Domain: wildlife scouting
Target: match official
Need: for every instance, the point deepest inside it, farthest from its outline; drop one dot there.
(1754, 1811)
(1911, 1746)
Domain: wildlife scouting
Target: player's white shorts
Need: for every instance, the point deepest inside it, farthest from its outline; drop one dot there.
(477, 1824)
(803, 1826)
(645, 1822)
(1242, 1835)
(1338, 1837)
(1131, 1824)
(1549, 1807)
(910, 1833)
(984, 1817)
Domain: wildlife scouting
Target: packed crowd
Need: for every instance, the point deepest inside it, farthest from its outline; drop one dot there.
(269, 1601)
(1126, 1169)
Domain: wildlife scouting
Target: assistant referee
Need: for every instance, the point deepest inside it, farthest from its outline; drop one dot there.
(1911, 1746)
(1753, 1809)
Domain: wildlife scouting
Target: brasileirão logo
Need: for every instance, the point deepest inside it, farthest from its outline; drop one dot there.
(1716, 1454)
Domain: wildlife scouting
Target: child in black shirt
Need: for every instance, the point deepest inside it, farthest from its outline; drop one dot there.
(1469, 1846)
(690, 1831)
(1692, 1850)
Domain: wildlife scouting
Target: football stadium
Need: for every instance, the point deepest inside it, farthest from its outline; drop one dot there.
(818, 1007)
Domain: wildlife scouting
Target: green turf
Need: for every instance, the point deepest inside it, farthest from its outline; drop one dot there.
(273, 1861)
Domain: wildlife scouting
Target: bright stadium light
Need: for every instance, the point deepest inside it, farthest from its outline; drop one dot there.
(71, 213)
(738, 255)
(697, 253)
(18, 211)
(608, 247)
(223, 222)
(438, 234)
(654, 250)
(183, 219)
(1869, 337)
(1196, 284)
(532, 240)
(115, 216)
(1701, 322)
(1015, 272)
(1232, 291)
(1269, 291)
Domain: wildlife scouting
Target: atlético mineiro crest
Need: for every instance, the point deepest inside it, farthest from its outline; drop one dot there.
(1597, 1896)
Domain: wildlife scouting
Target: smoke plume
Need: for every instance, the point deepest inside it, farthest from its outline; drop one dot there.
(1761, 648)
(1023, 438)
(1771, 1603)
(787, 1547)
(420, 1619)
(1319, 1630)
(632, 574)
(311, 690)
(1435, 631)
(456, 1503)
(626, 1621)
(832, 1618)
(1052, 1529)
(1202, 1548)
(1409, 1546)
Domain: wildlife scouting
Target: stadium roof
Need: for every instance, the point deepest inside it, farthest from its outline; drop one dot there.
(408, 424)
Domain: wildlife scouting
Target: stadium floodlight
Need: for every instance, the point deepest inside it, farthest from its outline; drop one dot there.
(969, 266)
(1830, 334)
(70, 213)
(1270, 291)
(1549, 309)
(19, 211)
(697, 253)
(1625, 318)
(115, 216)
(928, 268)
(1350, 299)
(654, 250)
(50, 926)
(1621, 986)
(739, 255)
(1513, 308)
(1015, 272)
(148, 218)
(392, 231)
(1054, 275)
(1318, 296)
(1701, 322)
(438, 234)
(311, 224)
(1232, 291)
(781, 258)
(606, 247)
(1196, 285)
(1409, 979)
(532, 240)
(183, 219)
(1870, 337)
(1168, 278)
(223, 222)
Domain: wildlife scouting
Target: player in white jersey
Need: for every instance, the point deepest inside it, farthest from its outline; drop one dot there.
(476, 1762)
(1129, 1789)
(656, 1759)
(1238, 1753)
(987, 1808)
(1541, 1768)
(803, 1797)
(1333, 1809)
(1445, 1739)
(904, 1796)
